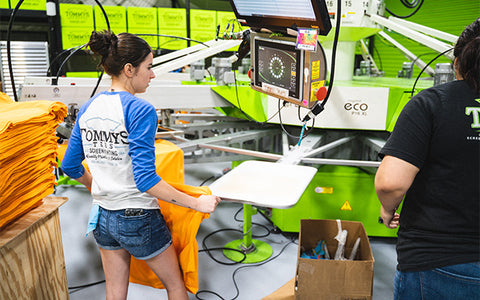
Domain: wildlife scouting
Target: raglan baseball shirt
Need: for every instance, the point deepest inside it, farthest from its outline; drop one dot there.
(115, 134)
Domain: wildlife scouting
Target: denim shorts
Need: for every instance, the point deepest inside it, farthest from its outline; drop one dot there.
(143, 236)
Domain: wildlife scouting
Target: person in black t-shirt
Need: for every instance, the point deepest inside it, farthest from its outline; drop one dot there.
(431, 162)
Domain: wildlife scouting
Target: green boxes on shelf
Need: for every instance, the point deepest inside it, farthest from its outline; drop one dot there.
(202, 35)
(336, 192)
(117, 17)
(203, 24)
(75, 36)
(143, 20)
(142, 17)
(76, 15)
(173, 22)
(203, 20)
(28, 4)
(172, 18)
(174, 42)
(148, 34)
(226, 17)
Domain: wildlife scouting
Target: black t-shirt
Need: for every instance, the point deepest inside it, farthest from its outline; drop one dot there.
(438, 131)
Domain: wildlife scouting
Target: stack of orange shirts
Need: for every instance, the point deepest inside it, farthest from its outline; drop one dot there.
(28, 146)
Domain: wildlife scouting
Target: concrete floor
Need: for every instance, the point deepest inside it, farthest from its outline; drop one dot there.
(83, 264)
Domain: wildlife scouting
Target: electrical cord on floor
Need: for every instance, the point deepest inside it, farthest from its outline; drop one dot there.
(253, 223)
(207, 250)
(81, 287)
(237, 270)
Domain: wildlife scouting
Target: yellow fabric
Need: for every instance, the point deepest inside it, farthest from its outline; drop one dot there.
(4, 98)
(28, 147)
(183, 224)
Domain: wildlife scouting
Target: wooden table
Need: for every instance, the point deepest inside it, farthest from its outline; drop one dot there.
(32, 265)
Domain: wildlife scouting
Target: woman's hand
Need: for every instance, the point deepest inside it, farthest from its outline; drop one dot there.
(207, 203)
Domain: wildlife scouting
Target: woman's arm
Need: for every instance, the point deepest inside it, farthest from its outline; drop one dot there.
(394, 177)
(164, 191)
(86, 180)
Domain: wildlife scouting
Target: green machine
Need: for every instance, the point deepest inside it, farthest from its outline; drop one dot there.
(336, 192)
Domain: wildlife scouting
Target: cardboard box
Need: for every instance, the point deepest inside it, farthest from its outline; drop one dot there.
(334, 279)
(286, 292)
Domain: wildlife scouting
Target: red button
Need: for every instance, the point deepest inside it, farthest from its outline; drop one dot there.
(250, 73)
(321, 93)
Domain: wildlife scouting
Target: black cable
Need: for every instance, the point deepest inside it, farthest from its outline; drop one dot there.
(9, 54)
(98, 83)
(253, 223)
(60, 54)
(409, 4)
(379, 58)
(418, 5)
(238, 99)
(108, 28)
(208, 179)
(207, 250)
(285, 130)
(66, 59)
(211, 77)
(240, 268)
(278, 111)
(424, 68)
(318, 108)
(172, 36)
(79, 287)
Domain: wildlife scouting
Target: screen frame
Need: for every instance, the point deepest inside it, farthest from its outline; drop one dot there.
(281, 23)
(283, 45)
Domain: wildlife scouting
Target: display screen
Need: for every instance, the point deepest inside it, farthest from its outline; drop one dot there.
(276, 8)
(277, 15)
(277, 68)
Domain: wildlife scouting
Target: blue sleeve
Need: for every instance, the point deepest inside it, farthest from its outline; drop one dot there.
(72, 161)
(141, 122)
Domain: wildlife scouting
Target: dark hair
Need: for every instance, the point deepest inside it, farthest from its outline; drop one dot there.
(118, 50)
(467, 52)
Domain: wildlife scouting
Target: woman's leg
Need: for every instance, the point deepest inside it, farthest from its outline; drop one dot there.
(116, 266)
(165, 266)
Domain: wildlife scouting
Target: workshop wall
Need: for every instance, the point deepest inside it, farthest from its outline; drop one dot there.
(448, 16)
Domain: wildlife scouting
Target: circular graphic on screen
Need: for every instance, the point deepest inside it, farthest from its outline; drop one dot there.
(277, 67)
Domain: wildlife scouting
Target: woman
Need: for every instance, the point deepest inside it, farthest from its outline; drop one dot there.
(115, 133)
(432, 158)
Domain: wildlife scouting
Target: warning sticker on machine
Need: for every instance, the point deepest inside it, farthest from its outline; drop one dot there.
(346, 206)
(324, 190)
(315, 69)
(314, 88)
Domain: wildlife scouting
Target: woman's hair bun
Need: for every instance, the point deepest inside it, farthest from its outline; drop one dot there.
(103, 42)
